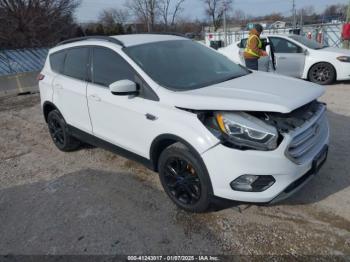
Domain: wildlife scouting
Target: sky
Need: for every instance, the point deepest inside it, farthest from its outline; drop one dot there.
(90, 9)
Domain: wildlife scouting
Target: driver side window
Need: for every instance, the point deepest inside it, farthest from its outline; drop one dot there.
(109, 67)
(284, 46)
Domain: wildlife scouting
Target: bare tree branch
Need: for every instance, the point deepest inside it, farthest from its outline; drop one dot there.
(144, 10)
(215, 10)
(169, 10)
(32, 23)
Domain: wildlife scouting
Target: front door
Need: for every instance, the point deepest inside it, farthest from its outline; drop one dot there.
(120, 120)
(290, 57)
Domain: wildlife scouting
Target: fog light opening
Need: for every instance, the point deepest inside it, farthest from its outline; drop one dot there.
(252, 183)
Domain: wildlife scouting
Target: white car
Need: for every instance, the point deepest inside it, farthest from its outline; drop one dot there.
(211, 128)
(297, 56)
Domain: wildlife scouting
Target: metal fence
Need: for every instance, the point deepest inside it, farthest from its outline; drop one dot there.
(22, 60)
(331, 34)
(18, 70)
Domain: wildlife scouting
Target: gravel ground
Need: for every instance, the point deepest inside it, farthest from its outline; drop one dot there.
(94, 202)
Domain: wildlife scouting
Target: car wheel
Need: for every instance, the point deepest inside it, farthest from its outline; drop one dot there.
(59, 133)
(322, 73)
(184, 178)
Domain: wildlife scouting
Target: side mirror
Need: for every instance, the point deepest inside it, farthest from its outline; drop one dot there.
(306, 52)
(124, 88)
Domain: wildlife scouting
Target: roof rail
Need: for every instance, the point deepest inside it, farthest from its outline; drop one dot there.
(97, 37)
(166, 33)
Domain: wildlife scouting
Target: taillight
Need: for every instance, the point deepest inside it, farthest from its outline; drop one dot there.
(40, 77)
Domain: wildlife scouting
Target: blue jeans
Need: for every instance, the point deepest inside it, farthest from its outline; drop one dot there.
(252, 64)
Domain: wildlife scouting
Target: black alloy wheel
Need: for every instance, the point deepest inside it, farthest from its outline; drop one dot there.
(182, 181)
(56, 131)
(322, 73)
(59, 133)
(185, 178)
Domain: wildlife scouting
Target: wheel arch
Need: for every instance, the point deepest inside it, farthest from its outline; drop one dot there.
(48, 107)
(163, 141)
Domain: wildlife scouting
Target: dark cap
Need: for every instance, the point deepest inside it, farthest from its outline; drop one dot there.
(259, 28)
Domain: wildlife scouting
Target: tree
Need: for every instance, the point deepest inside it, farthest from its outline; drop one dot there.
(145, 11)
(112, 16)
(215, 10)
(113, 21)
(337, 11)
(35, 23)
(169, 10)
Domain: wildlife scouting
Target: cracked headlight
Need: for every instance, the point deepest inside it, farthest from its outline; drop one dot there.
(244, 130)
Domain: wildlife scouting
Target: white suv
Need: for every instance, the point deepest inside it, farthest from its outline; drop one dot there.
(211, 128)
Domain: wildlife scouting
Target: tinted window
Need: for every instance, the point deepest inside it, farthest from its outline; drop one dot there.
(282, 45)
(109, 67)
(308, 42)
(184, 64)
(57, 61)
(76, 64)
(243, 43)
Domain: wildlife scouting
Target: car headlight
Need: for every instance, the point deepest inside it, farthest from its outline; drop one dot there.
(345, 59)
(244, 130)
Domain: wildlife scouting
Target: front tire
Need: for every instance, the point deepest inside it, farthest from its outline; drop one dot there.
(322, 73)
(59, 133)
(185, 179)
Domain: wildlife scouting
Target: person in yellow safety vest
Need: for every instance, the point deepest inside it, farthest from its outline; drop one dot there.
(253, 50)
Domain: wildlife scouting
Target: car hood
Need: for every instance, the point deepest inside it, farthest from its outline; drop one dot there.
(257, 91)
(335, 50)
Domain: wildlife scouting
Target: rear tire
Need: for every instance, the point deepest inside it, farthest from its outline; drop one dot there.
(322, 74)
(59, 133)
(185, 179)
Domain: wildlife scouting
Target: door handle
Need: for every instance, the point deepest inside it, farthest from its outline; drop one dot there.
(95, 98)
(151, 117)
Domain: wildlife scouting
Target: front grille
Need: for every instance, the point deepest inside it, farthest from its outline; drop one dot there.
(308, 139)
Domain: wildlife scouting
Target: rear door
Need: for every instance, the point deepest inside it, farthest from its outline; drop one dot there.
(70, 88)
(289, 57)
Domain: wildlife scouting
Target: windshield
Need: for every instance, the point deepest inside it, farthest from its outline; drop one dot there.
(183, 65)
(307, 42)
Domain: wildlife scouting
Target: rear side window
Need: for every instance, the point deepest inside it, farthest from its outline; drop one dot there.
(109, 67)
(76, 63)
(57, 61)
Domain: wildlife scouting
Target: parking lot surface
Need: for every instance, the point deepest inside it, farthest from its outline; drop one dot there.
(94, 202)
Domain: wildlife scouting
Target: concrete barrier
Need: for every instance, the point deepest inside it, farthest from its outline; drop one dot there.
(18, 84)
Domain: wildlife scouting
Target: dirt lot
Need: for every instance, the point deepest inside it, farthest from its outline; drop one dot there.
(94, 202)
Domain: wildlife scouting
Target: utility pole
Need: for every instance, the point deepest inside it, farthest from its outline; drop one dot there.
(294, 15)
(225, 22)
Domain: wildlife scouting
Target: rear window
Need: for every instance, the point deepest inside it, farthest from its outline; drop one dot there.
(57, 61)
(76, 63)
